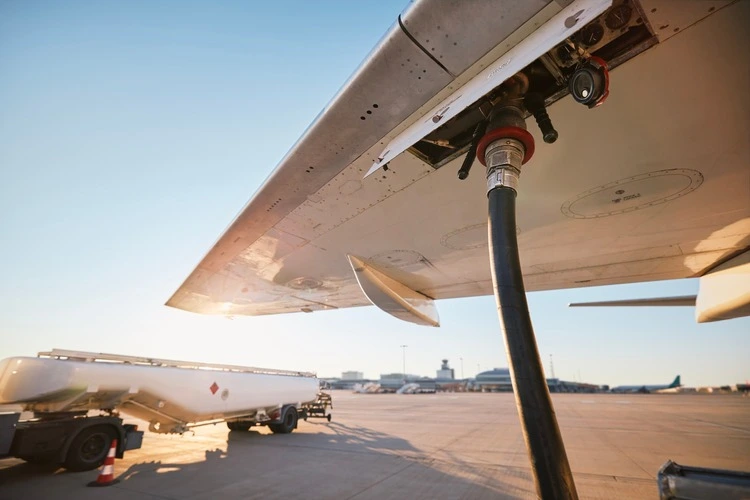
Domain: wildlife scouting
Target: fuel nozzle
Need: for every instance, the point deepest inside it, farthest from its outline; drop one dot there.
(535, 104)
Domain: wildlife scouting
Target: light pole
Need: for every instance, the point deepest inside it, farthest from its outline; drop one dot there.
(462, 368)
(403, 349)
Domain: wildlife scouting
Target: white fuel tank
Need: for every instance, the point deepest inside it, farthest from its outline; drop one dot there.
(170, 393)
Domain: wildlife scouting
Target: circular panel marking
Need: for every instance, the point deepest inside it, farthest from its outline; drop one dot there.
(350, 187)
(467, 238)
(633, 193)
(304, 283)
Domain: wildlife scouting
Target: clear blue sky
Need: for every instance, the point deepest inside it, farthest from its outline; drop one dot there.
(131, 133)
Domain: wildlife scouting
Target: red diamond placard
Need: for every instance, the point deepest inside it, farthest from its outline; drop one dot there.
(214, 387)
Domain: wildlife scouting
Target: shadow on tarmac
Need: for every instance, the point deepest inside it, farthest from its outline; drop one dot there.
(338, 461)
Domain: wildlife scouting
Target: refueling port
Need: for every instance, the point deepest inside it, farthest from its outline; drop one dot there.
(589, 85)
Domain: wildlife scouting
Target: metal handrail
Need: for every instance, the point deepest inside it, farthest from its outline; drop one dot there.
(138, 360)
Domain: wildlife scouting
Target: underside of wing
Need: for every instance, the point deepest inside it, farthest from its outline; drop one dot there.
(654, 184)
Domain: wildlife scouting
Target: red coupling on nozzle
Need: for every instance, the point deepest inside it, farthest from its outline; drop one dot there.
(516, 133)
(605, 70)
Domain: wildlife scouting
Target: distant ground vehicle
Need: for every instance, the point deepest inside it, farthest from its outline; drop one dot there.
(63, 389)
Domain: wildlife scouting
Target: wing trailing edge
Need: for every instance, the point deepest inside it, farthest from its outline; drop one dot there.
(684, 300)
(724, 293)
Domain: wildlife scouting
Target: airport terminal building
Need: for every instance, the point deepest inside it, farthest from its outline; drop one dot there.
(498, 380)
(495, 380)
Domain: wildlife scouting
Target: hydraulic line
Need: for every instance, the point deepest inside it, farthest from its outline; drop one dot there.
(552, 474)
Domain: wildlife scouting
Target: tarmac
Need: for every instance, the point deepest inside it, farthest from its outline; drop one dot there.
(436, 446)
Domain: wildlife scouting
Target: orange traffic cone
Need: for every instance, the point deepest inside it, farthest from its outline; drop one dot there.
(107, 473)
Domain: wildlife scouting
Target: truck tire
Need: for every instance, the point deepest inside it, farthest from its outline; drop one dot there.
(239, 426)
(89, 448)
(288, 422)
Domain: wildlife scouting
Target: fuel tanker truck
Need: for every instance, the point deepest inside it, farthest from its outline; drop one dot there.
(64, 406)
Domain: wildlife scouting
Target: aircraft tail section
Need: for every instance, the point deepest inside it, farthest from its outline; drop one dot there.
(675, 382)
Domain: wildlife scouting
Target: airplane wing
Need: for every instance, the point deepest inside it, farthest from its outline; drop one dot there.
(685, 300)
(654, 184)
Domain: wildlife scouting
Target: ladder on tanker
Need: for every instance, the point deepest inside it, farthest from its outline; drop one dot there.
(100, 357)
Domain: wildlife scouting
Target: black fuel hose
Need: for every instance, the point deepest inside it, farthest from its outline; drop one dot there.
(554, 479)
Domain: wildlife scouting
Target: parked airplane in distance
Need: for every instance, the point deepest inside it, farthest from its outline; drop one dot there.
(645, 389)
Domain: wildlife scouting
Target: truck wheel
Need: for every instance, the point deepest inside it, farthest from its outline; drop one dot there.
(89, 448)
(288, 422)
(239, 426)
